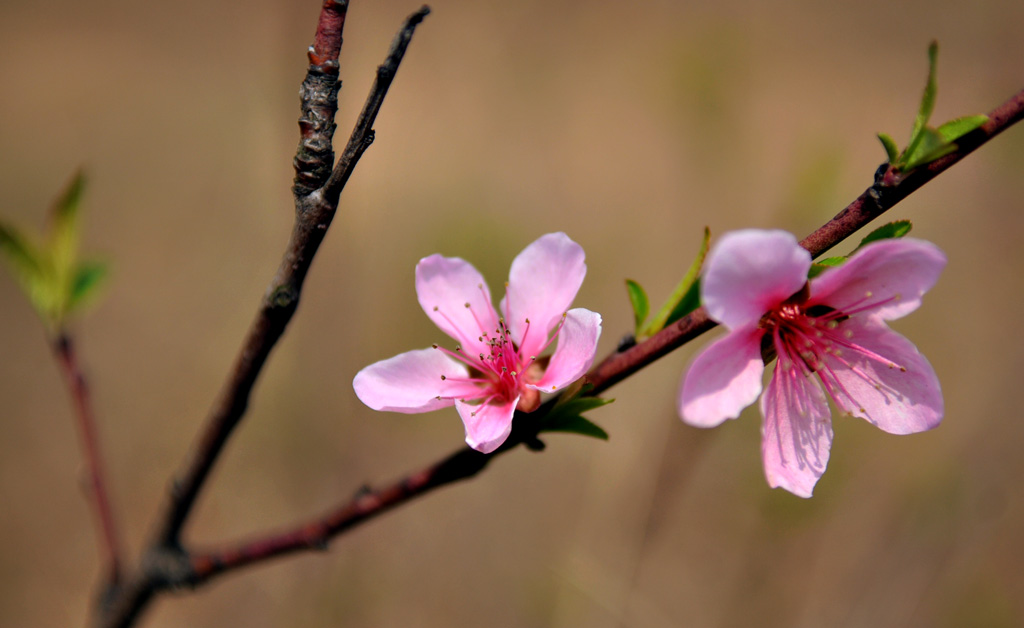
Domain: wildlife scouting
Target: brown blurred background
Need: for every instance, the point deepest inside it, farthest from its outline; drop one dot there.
(630, 126)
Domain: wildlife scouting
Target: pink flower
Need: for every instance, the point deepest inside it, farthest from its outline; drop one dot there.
(496, 366)
(834, 327)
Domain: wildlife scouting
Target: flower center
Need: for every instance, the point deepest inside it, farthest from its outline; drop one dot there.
(499, 371)
(812, 339)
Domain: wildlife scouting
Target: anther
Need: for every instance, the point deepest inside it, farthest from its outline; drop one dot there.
(435, 308)
(434, 346)
(467, 304)
(443, 378)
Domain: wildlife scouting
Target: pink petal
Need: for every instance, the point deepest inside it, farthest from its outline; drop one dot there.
(750, 272)
(542, 283)
(455, 296)
(897, 401)
(411, 382)
(892, 273)
(577, 345)
(796, 435)
(487, 425)
(723, 380)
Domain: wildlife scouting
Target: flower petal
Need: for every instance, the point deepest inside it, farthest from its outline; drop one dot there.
(411, 382)
(542, 283)
(751, 271)
(487, 425)
(894, 273)
(577, 345)
(796, 435)
(896, 400)
(455, 296)
(723, 380)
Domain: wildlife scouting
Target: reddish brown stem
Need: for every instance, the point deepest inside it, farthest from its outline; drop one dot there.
(67, 358)
(889, 188)
(165, 563)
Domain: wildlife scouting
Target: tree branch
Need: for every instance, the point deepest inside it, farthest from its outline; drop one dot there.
(314, 212)
(64, 351)
(317, 189)
(890, 188)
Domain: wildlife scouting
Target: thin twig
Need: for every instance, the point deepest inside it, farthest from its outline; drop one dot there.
(889, 188)
(67, 358)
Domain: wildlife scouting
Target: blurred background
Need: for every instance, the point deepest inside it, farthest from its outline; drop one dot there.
(630, 126)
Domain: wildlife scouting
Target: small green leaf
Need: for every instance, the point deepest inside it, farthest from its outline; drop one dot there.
(575, 424)
(579, 405)
(822, 265)
(924, 113)
(689, 303)
(686, 288)
(87, 278)
(891, 149)
(930, 147)
(641, 305)
(895, 229)
(64, 231)
(959, 127)
(21, 255)
(32, 269)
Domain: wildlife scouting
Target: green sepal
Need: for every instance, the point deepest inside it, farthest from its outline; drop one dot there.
(683, 296)
(641, 305)
(895, 229)
(891, 149)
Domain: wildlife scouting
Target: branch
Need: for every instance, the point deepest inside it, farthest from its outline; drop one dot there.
(64, 351)
(317, 189)
(890, 188)
(314, 212)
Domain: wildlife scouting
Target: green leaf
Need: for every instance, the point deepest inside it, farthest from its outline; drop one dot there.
(930, 147)
(87, 278)
(822, 265)
(565, 417)
(927, 104)
(959, 127)
(579, 405)
(689, 303)
(895, 229)
(891, 149)
(31, 267)
(21, 255)
(64, 230)
(641, 305)
(679, 299)
(574, 424)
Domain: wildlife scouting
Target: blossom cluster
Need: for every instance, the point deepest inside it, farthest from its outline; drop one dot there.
(828, 334)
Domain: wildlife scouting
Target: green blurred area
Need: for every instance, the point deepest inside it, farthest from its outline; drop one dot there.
(630, 127)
